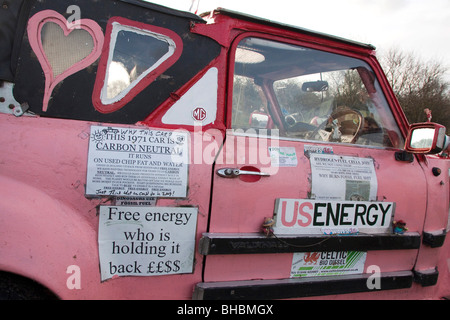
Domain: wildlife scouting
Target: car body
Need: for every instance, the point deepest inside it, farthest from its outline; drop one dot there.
(214, 157)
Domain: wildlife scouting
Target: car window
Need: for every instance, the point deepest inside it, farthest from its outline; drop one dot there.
(310, 95)
(129, 64)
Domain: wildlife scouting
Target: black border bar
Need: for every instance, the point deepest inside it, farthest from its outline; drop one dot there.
(434, 239)
(298, 288)
(254, 243)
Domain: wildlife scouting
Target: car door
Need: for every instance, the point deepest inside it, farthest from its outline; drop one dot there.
(311, 178)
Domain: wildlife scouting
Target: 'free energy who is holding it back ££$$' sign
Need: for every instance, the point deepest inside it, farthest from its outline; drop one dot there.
(146, 241)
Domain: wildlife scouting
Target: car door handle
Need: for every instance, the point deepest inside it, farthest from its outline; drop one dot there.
(234, 173)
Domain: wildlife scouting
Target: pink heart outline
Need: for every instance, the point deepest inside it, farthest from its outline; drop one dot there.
(34, 31)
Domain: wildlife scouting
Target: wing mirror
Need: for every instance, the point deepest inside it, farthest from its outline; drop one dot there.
(427, 138)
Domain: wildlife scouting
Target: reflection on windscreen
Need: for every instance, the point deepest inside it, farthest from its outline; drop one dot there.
(311, 94)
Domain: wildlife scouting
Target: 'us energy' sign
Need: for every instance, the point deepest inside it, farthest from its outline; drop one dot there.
(300, 216)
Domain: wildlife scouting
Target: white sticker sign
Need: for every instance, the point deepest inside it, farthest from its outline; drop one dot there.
(130, 162)
(343, 178)
(309, 149)
(283, 156)
(135, 201)
(315, 264)
(146, 241)
(305, 216)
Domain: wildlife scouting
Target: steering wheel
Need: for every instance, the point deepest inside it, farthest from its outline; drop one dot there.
(343, 125)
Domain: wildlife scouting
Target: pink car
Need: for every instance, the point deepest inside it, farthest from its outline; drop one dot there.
(149, 153)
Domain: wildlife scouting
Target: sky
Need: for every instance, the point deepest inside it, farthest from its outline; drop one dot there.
(418, 26)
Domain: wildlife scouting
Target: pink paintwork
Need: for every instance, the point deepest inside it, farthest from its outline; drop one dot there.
(34, 30)
(48, 224)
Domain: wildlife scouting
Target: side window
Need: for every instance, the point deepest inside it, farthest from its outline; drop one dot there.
(310, 95)
(137, 54)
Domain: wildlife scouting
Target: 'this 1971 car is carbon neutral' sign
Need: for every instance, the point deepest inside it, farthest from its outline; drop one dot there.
(130, 162)
(306, 216)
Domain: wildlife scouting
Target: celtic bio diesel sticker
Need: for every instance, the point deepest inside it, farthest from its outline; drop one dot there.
(314, 264)
(130, 162)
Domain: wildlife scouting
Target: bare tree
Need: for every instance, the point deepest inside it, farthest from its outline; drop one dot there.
(418, 85)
